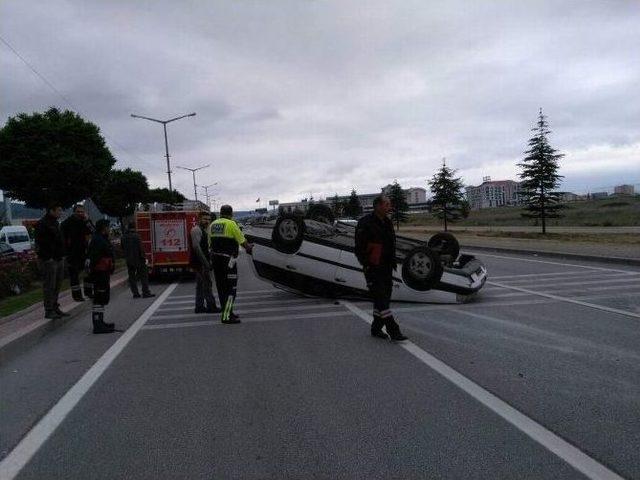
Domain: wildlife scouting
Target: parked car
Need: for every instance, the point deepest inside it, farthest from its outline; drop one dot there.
(318, 258)
(17, 237)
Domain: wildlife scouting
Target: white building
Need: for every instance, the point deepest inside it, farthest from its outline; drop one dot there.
(624, 190)
(496, 193)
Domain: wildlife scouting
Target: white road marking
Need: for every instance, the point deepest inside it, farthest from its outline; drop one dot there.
(570, 300)
(304, 316)
(622, 288)
(241, 292)
(239, 302)
(13, 463)
(552, 442)
(554, 263)
(631, 281)
(456, 307)
(525, 275)
(241, 310)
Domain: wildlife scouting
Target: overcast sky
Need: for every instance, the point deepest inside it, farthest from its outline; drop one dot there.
(314, 97)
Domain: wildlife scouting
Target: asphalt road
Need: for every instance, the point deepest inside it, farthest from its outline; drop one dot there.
(538, 379)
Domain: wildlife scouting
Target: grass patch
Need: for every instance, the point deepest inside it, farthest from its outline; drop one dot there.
(609, 212)
(13, 304)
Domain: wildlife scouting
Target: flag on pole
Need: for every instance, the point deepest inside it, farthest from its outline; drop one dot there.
(257, 200)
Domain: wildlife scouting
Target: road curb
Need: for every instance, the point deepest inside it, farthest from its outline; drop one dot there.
(19, 341)
(568, 256)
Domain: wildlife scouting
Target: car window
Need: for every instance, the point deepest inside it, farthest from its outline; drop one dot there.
(5, 248)
(18, 237)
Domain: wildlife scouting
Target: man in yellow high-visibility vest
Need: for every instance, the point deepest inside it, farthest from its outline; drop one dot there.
(226, 238)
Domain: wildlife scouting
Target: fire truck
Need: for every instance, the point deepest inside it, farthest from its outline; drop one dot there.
(164, 232)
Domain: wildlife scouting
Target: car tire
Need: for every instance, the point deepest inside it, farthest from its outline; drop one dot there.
(445, 244)
(288, 233)
(421, 268)
(321, 213)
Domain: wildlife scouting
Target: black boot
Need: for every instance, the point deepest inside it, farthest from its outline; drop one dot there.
(376, 328)
(394, 330)
(98, 323)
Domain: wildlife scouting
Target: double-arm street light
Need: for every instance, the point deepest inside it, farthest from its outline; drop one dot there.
(166, 143)
(206, 191)
(193, 172)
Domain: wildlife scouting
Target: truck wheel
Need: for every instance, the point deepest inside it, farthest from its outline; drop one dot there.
(421, 269)
(445, 244)
(321, 213)
(288, 233)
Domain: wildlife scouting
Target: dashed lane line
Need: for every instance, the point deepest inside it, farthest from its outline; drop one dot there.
(569, 300)
(552, 442)
(13, 463)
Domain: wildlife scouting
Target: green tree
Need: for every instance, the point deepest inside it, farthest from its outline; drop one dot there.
(336, 205)
(399, 205)
(448, 203)
(163, 195)
(353, 208)
(52, 156)
(121, 192)
(540, 176)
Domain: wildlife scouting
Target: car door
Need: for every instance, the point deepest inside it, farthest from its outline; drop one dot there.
(349, 272)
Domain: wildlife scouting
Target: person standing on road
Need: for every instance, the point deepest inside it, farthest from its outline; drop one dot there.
(201, 264)
(50, 249)
(77, 231)
(101, 264)
(376, 251)
(226, 237)
(136, 262)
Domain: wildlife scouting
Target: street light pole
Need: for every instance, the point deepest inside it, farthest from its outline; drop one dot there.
(206, 191)
(166, 142)
(193, 172)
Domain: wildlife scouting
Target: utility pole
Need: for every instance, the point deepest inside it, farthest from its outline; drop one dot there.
(193, 172)
(166, 142)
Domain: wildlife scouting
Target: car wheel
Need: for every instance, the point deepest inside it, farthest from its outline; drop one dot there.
(445, 244)
(288, 233)
(321, 213)
(421, 269)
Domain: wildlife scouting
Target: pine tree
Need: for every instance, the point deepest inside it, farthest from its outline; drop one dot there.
(540, 176)
(399, 205)
(353, 208)
(448, 203)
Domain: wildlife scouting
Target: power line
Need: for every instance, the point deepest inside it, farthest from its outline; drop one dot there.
(52, 87)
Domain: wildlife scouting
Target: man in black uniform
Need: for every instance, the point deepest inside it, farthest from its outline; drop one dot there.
(376, 251)
(77, 230)
(101, 262)
(136, 262)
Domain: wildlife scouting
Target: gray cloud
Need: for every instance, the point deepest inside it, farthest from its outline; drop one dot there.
(317, 96)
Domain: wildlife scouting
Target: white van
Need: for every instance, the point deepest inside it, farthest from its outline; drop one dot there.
(17, 237)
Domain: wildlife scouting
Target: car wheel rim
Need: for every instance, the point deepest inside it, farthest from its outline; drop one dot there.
(288, 230)
(420, 265)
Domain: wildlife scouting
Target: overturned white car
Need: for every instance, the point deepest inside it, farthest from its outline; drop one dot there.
(317, 258)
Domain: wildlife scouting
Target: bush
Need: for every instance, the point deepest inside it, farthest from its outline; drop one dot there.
(17, 277)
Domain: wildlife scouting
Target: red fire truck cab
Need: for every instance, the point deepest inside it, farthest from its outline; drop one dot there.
(164, 231)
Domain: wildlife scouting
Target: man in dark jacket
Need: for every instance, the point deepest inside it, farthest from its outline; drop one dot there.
(101, 266)
(50, 249)
(77, 230)
(376, 251)
(201, 264)
(136, 262)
